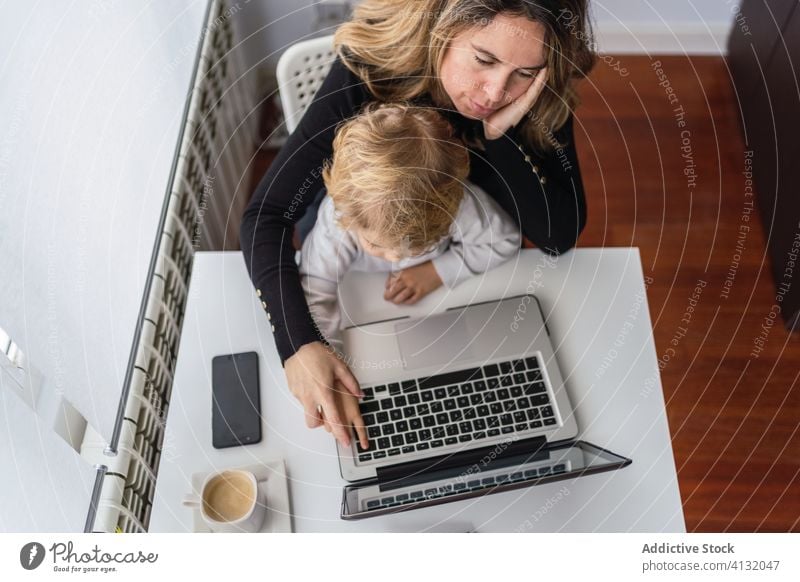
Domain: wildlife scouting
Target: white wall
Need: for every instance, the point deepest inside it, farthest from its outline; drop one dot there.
(663, 26)
(92, 94)
(623, 26)
(267, 28)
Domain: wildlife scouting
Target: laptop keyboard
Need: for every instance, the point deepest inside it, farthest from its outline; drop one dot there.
(456, 407)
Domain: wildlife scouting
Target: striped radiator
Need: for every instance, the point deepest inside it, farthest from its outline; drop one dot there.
(207, 196)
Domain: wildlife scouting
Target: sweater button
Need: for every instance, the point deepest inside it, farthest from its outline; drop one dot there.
(258, 292)
(264, 304)
(273, 329)
(542, 180)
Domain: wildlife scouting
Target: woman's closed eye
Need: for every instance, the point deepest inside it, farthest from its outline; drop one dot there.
(525, 74)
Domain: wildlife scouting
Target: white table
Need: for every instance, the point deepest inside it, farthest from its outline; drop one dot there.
(596, 307)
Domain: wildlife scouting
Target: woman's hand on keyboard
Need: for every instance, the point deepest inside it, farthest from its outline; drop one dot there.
(347, 405)
(312, 373)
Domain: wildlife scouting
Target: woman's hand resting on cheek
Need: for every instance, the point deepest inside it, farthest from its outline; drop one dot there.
(510, 115)
(412, 284)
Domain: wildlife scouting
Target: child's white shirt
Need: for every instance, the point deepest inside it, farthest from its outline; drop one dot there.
(482, 237)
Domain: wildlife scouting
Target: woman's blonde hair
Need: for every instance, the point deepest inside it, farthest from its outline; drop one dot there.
(397, 46)
(398, 171)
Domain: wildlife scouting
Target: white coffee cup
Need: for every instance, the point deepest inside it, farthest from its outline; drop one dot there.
(230, 501)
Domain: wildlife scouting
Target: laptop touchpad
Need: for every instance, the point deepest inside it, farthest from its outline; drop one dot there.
(437, 340)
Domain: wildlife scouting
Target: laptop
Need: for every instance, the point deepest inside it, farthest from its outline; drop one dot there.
(459, 404)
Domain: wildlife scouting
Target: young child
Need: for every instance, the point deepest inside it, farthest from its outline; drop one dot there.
(398, 203)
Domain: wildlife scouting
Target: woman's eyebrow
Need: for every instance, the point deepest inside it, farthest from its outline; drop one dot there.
(491, 56)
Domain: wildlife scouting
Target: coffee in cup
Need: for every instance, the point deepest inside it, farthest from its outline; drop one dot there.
(230, 501)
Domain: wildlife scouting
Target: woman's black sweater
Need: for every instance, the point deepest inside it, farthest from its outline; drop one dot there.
(543, 194)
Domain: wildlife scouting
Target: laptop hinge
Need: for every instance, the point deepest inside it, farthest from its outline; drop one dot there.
(479, 457)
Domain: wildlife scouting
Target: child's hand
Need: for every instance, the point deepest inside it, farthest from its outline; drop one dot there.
(347, 404)
(412, 284)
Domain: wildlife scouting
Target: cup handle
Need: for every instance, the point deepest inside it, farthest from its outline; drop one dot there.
(192, 501)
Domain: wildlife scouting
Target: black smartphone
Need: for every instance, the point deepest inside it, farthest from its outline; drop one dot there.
(235, 400)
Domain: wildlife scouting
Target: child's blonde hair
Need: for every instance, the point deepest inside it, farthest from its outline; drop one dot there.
(397, 170)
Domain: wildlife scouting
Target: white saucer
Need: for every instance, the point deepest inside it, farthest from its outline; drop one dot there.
(271, 477)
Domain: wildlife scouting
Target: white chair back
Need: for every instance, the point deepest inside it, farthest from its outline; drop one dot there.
(301, 70)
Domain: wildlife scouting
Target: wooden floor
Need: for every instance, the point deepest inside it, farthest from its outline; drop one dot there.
(733, 417)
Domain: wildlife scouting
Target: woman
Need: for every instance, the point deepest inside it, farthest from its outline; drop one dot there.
(503, 71)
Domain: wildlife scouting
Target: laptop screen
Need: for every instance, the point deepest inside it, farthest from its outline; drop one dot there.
(553, 463)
